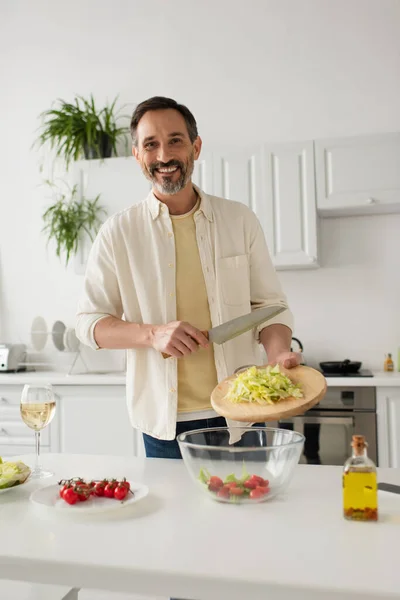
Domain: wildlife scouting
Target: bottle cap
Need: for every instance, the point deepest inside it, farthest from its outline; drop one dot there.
(359, 443)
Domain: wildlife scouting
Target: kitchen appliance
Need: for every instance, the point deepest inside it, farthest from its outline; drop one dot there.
(12, 357)
(343, 367)
(343, 412)
(299, 348)
(235, 327)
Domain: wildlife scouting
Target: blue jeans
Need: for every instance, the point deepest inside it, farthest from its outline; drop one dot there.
(170, 449)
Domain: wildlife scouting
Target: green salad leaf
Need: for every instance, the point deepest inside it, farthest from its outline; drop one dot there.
(266, 385)
(13, 473)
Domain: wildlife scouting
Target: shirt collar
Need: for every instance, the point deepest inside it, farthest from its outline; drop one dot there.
(205, 205)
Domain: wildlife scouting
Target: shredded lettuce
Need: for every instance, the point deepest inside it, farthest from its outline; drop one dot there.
(13, 473)
(265, 385)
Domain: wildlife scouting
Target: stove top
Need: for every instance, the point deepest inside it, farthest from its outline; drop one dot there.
(360, 373)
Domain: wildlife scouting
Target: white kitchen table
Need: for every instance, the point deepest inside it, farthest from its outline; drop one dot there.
(179, 543)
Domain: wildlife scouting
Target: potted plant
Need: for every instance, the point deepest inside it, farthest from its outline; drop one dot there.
(69, 218)
(79, 129)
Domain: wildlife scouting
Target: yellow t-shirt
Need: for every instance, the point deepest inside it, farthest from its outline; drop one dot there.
(197, 375)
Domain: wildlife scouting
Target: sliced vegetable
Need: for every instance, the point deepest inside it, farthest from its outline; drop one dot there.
(232, 488)
(262, 385)
(13, 473)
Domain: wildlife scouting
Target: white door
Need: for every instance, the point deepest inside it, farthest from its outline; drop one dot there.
(94, 420)
(388, 416)
(358, 175)
(291, 218)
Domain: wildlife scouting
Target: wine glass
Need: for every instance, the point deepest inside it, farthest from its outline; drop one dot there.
(38, 405)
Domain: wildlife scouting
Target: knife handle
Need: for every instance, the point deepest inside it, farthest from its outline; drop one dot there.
(164, 355)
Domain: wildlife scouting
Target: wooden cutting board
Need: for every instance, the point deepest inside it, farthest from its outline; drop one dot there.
(313, 385)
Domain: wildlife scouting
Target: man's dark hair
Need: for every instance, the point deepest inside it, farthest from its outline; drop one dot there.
(161, 103)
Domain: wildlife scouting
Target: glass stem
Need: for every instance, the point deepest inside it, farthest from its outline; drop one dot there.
(37, 440)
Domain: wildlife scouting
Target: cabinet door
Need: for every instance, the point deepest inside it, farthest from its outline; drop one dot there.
(359, 175)
(94, 420)
(203, 173)
(120, 183)
(388, 416)
(291, 216)
(277, 183)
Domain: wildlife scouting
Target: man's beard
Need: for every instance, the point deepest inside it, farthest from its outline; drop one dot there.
(167, 186)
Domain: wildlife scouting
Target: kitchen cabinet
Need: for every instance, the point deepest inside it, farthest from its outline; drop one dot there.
(94, 420)
(388, 416)
(89, 419)
(277, 182)
(358, 175)
(289, 214)
(120, 183)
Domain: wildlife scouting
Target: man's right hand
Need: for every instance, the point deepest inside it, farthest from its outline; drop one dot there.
(178, 339)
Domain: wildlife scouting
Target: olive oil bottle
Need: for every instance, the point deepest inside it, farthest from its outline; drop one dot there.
(360, 488)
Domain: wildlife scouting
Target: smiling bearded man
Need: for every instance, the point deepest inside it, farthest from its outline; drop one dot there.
(178, 263)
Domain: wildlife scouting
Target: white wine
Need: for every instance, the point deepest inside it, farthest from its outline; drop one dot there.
(37, 416)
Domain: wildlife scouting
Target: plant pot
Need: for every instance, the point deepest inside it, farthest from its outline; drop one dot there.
(105, 147)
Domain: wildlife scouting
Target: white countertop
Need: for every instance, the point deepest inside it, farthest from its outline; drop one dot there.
(59, 378)
(180, 543)
(380, 379)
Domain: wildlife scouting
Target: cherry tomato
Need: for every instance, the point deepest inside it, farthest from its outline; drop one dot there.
(126, 484)
(257, 493)
(83, 491)
(62, 490)
(215, 483)
(109, 490)
(250, 484)
(236, 491)
(259, 480)
(99, 489)
(263, 488)
(223, 492)
(70, 496)
(231, 484)
(120, 492)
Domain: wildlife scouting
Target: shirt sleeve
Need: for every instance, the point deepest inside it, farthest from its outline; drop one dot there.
(265, 287)
(101, 293)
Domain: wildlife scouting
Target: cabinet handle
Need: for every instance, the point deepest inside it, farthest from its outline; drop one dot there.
(4, 400)
(3, 431)
(371, 201)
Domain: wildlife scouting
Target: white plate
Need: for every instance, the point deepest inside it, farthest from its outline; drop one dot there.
(39, 333)
(14, 487)
(49, 497)
(71, 342)
(58, 335)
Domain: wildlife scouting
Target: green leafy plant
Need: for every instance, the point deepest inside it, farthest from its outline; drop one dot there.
(69, 218)
(79, 129)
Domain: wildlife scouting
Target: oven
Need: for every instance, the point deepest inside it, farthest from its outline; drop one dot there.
(330, 425)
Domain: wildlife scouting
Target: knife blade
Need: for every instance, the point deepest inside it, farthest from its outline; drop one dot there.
(235, 327)
(231, 329)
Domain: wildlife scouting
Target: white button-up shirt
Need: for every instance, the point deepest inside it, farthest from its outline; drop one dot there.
(131, 274)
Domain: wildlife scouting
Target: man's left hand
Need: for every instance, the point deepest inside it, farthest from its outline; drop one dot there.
(288, 360)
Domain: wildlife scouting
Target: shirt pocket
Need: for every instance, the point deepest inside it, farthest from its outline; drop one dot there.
(235, 279)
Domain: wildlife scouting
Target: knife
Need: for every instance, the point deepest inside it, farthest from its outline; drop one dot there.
(231, 329)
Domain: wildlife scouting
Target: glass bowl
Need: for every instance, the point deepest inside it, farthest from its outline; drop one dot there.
(255, 468)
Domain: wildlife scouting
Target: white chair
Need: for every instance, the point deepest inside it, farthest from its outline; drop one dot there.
(21, 590)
